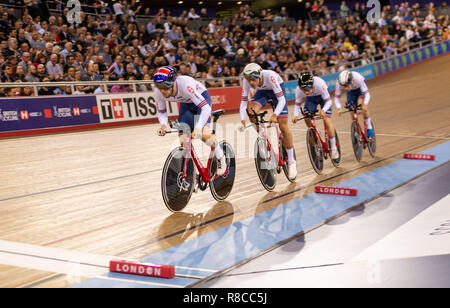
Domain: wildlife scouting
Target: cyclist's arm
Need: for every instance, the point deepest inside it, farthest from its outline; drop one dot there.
(364, 89)
(337, 96)
(205, 114)
(281, 103)
(244, 100)
(299, 99)
(278, 91)
(326, 97)
(366, 98)
(365, 92)
(162, 109)
(327, 104)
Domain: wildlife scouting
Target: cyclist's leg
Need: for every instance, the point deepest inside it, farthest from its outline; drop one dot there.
(366, 116)
(186, 122)
(258, 101)
(207, 136)
(353, 100)
(330, 127)
(310, 107)
(284, 125)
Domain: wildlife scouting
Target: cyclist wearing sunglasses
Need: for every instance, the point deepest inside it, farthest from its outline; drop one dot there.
(195, 108)
(314, 91)
(269, 86)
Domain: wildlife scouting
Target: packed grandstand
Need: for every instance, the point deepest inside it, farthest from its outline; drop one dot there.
(125, 40)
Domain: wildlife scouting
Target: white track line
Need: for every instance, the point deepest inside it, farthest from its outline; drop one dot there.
(72, 263)
(387, 135)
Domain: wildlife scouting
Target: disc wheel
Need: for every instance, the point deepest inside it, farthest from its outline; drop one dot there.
(265, 164)
(356, 141)
(315, 151)
(177, 191)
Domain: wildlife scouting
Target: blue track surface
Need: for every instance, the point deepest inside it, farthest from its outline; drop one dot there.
(244, 239)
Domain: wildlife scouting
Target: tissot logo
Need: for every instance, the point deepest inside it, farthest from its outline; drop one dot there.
(130, 107)
(127, 108)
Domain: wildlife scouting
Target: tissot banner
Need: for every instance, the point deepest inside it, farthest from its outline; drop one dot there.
(121, 107)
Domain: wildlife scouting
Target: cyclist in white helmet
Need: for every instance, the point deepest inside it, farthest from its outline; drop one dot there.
(357, 94)
(269, 86)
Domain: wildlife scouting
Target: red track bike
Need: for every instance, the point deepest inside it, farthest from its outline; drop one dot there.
(179, 178)
(319, 148)
(359, 137)
(268, 162)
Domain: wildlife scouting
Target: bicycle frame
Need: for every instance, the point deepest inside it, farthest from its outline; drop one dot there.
(360, 131)
(318, 135)
(204, 172)
(279, 138)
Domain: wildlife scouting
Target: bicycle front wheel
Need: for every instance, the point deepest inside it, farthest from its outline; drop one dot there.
(265, 164)
(221, 187)
(177, 191)
(285, 165)
(356, 141)
(336, 162)
(372, 146)
(315, 150)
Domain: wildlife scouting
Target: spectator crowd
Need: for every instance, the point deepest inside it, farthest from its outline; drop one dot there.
(111, 45)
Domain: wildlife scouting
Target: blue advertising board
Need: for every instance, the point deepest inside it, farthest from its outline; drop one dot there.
(44, 112)
(409, 58)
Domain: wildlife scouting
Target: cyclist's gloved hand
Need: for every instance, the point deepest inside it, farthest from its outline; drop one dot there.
(273, 118)
(162, 130)
(197, 134)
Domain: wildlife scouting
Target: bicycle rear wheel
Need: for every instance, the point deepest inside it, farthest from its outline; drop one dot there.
(177, 191)
(372, 146)
(336, 162)
(356, 141)
(315, 150)
(222, 186)
(285, 165)
(265, 164)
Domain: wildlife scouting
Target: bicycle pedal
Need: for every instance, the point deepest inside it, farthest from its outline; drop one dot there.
(185, 186)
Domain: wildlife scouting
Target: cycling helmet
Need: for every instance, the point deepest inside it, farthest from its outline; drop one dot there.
(252, 71)
(345, 78)
(165, 77)
(306, 81)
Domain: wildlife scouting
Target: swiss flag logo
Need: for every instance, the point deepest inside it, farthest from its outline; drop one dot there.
(117, 108)
(48, 113)
(24, 115)
(76, 111)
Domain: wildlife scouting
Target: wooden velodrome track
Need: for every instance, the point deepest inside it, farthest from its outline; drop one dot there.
(99, 191)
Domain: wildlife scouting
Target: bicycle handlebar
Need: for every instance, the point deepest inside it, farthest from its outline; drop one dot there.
(352, 108)
(259, 117)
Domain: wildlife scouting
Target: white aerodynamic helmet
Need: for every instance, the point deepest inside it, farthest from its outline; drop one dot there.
(345, 78)
(252, 71)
